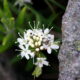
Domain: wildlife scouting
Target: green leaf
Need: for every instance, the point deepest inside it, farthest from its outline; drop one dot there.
(50, 6)
(40, 54)
(52, 18)
(57, 42)
(21, 30)
(3, 48)
(21, 17)
(57, 4)
(38, 16)
(7, 42)
(2, 29)
(6, 39)
(11, 22)
(1, 13)
(15, 59)
(6, 9)
(13, 8)
(29, 65)
(1, 36)
(57, 28)
(8, 23)
(37, 72)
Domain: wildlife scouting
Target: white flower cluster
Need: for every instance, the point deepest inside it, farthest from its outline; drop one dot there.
(34, 41)
(22, 2)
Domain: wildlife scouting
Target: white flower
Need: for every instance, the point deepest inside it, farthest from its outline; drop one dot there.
(25, 52)
(49, 43)
(29, 32)
(38, 32)
(41, 61)
(22, 41)
(22, 2)
(38, 39)
(50, 47)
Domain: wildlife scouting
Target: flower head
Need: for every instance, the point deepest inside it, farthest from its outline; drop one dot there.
(35, 40)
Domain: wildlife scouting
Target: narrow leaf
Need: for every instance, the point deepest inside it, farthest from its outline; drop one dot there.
(1, 13)
(15, 59)
(2, 29)
(21, 17)
(57, 4)
(29, 65)
(6, 9)
(6, 39)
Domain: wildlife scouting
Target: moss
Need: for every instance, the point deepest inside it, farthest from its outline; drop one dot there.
(77, 45)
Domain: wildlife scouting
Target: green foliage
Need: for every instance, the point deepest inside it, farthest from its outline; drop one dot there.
(8, 23)
(29, 65)
(6, 9)
(77, 45)
(15, 59)
(1, 13)
(2, 29)
(57, 4)
(21, 17)
(37, 72)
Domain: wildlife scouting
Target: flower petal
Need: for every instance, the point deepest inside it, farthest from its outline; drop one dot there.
(26, 56)
(20, 40)
(49, 50)
(40, 65)
(50, 37)
(46, 63)
(31, 54)
(46, 31)
(54, 46)
(21, 47)
(22, 54)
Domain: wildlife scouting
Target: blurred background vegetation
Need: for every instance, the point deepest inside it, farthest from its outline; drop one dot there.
(14, 19)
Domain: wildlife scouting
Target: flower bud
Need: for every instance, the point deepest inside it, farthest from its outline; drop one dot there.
(31, 40)
(37, 49)
(32, 45)
(34, 37)
(41, 48)
(36, 43)
(39, 43)
(37, 38)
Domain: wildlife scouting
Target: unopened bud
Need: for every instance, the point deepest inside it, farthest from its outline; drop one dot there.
(39, 43)
(37, 49)
(37, 38)
(41, 47)
(32, 45)
(34, 37)
(31, 40)
(36, 43)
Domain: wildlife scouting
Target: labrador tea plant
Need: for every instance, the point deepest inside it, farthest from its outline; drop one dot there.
(33, 42)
